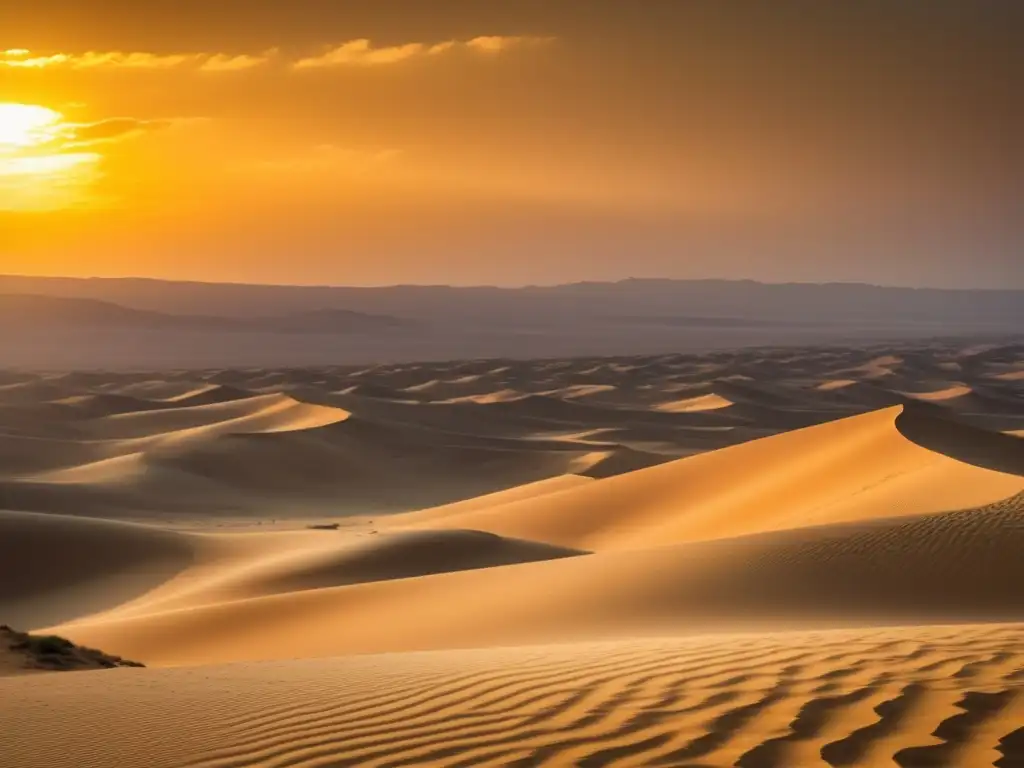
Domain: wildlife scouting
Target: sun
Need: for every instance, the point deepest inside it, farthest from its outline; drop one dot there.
(40, 170)
(24, 126)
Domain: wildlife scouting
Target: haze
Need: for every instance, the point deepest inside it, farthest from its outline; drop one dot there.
(513, 143)
(511, 383)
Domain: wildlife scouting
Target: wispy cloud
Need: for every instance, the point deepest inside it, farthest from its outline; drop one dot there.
(353, 53)
(222, 62)
(79, 135)
(363, 52)
(20, 58)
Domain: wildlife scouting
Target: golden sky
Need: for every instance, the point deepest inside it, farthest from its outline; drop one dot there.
(459, 141)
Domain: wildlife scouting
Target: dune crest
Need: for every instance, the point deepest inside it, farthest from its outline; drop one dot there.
(855, 468)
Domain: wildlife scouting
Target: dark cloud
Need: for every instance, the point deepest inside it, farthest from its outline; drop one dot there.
(113, 129)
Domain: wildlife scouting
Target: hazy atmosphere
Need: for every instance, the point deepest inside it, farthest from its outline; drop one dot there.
(460, 142)
(512, 383)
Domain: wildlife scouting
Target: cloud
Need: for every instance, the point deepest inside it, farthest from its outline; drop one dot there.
(362, 52)
(78, 135)
(19, 58)
(65, 164)
(64, 137)
(496, 44)
(222, 62)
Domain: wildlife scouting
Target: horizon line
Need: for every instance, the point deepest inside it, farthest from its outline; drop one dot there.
(514, 287)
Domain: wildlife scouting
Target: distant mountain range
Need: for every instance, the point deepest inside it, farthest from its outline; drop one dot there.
(33, 312)
(69, 322)
(742, 300)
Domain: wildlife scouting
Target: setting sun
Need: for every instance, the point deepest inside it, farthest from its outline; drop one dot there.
(39, 168)
(27, 125)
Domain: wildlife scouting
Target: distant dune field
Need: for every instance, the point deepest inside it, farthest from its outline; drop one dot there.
(781, 557)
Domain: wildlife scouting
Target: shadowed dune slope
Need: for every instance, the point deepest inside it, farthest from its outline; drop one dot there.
(248, 454)
(94, 406)
(53, 568)
(397, 556)
(970, 445)
(245, 567)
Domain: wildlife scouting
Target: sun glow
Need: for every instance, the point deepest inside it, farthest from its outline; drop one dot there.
(27, 125)
(35, 174)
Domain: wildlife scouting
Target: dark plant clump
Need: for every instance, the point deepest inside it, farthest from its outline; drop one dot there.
(57, 653)
(45, 645)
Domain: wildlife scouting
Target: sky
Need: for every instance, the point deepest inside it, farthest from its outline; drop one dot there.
(514, 142)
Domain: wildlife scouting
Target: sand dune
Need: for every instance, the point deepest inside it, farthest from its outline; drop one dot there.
(56, 568)
(766, 558)
(229, 455)
(856, 468)
(709, 402)
(104, 404)
(953, 566)
(209, 394)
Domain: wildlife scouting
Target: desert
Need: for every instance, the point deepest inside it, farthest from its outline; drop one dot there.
(464, 384)
(761, 557)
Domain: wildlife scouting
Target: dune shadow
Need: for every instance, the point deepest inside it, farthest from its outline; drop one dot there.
(55, 569)
(932, 428)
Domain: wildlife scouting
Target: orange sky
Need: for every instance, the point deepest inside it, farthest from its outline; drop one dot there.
(513, 142)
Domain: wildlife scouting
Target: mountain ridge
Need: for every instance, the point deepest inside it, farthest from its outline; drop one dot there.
(714, 297)
(20, 310)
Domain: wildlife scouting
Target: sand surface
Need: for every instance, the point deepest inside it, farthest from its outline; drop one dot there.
(790, 557)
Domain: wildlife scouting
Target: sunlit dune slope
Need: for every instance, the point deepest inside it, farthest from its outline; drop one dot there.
(952, 566)
(264, 413)
(881, 464)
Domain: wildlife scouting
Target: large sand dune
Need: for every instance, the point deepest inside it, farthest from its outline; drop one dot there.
(789, 558)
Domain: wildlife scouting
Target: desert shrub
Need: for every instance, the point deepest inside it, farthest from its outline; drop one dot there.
(48, 645)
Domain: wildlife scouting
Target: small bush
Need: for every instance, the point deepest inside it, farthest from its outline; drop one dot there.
(48, 645)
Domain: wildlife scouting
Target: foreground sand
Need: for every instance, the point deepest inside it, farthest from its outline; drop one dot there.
(935, 696)
(845, 590)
